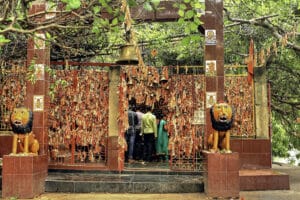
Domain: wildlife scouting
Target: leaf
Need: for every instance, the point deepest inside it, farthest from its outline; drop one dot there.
(181, 21)
(198, 5)
(187, 1)
(182, 6)
(96, 9)
(187, 30)
(189, 14)
(147, 6)
(155, 2)
(181, 13)
(186, 41)
(193, 26)
(132, 3)
(72, 4)
(195, 38)
(3, 40)
(48, 35)
(115, 21)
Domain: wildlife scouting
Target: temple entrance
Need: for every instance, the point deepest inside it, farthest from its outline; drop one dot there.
(78, 120)
(176, 95)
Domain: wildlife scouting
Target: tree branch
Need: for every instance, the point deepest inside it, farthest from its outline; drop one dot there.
(262, 22)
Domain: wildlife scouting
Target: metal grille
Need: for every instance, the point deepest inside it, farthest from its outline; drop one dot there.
(78, 120)
(239, 93)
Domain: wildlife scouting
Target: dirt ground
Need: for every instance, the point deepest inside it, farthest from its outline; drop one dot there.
(185, 196)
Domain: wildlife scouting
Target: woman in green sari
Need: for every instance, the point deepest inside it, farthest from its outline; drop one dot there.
(162, 139)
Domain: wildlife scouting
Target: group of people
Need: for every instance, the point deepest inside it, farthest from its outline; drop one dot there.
(146, 136)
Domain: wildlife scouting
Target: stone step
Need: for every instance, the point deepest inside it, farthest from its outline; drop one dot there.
(125, 182)
(263, 179)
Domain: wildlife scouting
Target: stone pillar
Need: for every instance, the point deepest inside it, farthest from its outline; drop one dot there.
(113, 126)
(37, 98)
(262, 115)
(214, 54)
(24, 176)
(222, 170)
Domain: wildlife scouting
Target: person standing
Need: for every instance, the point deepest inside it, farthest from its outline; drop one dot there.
(149, 131)
(162, 139)
(138, 147)
(131, 133)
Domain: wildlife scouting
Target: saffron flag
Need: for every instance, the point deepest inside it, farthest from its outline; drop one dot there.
(250, 64)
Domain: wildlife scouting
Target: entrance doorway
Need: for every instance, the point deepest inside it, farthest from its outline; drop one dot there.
(177, 94)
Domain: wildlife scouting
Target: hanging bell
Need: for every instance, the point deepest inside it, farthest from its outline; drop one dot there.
(163, 79)
(130, 82)
(128, 55)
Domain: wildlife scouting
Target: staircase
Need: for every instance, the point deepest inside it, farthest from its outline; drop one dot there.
(128, 181)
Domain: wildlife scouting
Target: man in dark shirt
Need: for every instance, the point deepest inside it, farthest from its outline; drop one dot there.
(131, 133)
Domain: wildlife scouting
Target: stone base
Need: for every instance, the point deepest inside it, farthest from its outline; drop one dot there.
(268, 179)
(222, 175)
(24, 176)
(115, 156)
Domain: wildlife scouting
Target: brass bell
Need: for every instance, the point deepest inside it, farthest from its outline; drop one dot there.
(130, 82)
(128, 55)
(163, 79)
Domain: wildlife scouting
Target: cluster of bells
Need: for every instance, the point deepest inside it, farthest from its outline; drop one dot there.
(128, 56)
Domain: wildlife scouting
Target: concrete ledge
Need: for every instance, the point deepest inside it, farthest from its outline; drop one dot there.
(263, 179)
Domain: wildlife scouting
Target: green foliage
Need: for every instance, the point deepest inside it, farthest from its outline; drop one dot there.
(188, 10)
(31, 72)
(168, 39)
(72, 4)
(3, 40)
(280, 141)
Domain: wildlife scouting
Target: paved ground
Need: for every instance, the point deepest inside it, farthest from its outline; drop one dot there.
(292, 194)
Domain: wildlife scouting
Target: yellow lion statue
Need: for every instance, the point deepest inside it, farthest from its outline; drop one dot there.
(222, 120)
(21, 122)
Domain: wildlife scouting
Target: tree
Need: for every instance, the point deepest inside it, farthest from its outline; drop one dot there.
(274, 26)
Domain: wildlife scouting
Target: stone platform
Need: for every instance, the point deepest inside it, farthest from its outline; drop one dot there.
(263, 179)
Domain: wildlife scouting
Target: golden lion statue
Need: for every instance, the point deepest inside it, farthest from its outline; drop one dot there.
(21, 122)
(222, 119)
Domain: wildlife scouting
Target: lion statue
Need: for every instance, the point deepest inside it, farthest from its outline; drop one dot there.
(21, 122)
(222, 120)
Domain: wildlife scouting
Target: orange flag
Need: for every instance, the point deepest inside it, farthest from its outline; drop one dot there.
(250, 63)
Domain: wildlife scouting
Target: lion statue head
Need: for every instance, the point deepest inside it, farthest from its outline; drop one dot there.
(21, 120)
(221, 116)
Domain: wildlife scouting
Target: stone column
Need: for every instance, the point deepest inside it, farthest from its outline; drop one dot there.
(37, 98)
(113, 126)
(221, 170)
(214, 53)
(262, 115)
